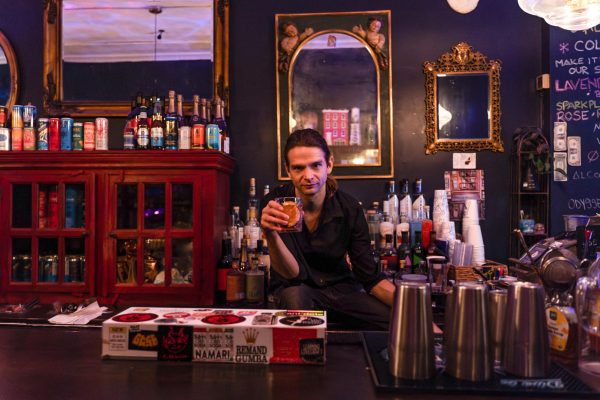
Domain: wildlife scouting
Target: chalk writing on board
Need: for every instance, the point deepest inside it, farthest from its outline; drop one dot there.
(584, 204)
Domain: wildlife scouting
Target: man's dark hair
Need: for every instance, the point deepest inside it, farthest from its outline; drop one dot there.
(310, 138)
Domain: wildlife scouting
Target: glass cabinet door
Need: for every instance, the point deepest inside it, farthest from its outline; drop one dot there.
(49, 233)
(154, 243)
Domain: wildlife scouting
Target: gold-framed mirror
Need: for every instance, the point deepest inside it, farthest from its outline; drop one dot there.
(9, 74)
(334, 75)
(462, 102)
(184, 46)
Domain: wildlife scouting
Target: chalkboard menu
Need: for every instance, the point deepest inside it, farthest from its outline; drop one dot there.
(575, 100)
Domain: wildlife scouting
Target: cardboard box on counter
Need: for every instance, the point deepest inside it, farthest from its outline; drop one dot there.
(216, 335)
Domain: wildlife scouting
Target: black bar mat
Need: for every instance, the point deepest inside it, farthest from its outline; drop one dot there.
(560, 382)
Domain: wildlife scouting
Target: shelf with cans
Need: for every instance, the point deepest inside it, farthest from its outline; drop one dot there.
(49, 233)
(154, 123)
(113, 224)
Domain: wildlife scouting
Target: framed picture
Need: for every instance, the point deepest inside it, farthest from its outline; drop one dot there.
(334, 76)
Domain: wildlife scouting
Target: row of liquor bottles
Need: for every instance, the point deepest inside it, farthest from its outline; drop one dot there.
(159, 124)
(403, 211)
(27, 132)
(408, 257)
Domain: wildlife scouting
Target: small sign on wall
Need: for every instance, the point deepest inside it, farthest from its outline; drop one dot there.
(464, 161)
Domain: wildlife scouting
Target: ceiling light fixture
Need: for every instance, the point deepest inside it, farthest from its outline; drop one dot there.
(572, 15)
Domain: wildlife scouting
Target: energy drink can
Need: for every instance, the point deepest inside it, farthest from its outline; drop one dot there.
(198, 136)
(66, 133)
(17, 117)
(29, 139)
(4, 139)
(42, 134)
(17, 139)
(48, 268)
(74, 268)
(3, 116)
(89, 137)
(213, 137)
(101, 134)
(29, 114)
(185, 140)
(54, 134)
(77, 136)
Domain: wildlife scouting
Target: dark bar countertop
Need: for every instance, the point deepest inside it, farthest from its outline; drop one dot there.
(64, 363)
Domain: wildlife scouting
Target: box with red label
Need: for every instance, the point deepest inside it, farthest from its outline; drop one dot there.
(216, 335)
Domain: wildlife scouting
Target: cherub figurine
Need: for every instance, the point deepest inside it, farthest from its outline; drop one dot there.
(375, 39)
(289, 43)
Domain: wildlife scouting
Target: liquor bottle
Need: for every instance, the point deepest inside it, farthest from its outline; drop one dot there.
(392, 199)
(252, 228)
(405, 202)
(203, 112)
(389, 257)
(219, 120)
(255, 283)
(418, 206)
(236, 286)
(196, 111)
(373, 223)
(404, 250)
(244, 257)
(157, 133)
(432, 249)
(375, 253)
(171, 104)
(385, 226)
(143, 134)
(236, 231)
(184, 131)
(264, 265)
(223, 268)
(417, 253)
(170, 123)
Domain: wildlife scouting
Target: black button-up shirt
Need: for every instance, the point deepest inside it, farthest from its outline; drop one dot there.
(321, 254)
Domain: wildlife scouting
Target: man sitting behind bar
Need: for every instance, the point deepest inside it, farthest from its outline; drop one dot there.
(308, 268)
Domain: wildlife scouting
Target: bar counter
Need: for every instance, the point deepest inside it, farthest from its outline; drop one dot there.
(64, 363)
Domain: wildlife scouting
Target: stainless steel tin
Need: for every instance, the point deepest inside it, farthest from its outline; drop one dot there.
(468, 345)
(497, 312)
(526, 349)
(410, 344)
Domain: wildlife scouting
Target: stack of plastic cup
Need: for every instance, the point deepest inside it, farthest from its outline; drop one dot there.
(475, 238)
(470, 216)
(441, 212)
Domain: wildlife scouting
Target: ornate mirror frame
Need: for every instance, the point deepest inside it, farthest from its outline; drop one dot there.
(54, 104)
(13, 69)
(462, 60)
(351, 24)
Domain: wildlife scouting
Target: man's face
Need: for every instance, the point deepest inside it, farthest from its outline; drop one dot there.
(308, 169)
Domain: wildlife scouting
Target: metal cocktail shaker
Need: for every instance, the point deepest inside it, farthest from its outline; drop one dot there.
(526, 351)
(497, 313)
(467, 342)
(410, 345)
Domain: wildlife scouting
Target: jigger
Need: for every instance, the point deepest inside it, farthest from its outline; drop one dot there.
(410, 346)
(526, 350)
(468, 342)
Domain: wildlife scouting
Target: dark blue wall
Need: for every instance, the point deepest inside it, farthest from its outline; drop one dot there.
(421, 30)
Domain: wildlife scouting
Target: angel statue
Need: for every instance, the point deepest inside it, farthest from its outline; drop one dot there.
(288, 44)
(375, 39)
